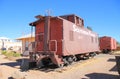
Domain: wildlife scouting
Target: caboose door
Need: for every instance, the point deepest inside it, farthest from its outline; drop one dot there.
(43, 34)
(40, 42)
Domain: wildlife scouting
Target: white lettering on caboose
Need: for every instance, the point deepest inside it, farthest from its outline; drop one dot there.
(79, 30)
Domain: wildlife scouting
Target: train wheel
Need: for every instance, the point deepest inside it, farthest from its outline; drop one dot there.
(39, 64)
(92, 54)
(46, 62)
(74, 58)
(70, 60)
(86, 57)
(78, 57)
(60, 65)
(65, 62)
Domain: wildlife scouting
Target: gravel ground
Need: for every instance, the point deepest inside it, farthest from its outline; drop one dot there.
(102, 66)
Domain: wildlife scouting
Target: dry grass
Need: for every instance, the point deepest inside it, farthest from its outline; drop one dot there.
(1, 74)
(116, 53)
(18, 75)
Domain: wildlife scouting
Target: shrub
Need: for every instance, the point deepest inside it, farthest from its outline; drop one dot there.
(16, 54)
(4, 52)
(11, 54)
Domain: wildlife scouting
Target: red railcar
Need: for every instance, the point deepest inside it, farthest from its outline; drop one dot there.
(107, 44)
(62, 40)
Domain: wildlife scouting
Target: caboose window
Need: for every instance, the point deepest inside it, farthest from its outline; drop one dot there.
(40, 37)
(96, 40)
(71, 36)
(92, 39)
(77, 20)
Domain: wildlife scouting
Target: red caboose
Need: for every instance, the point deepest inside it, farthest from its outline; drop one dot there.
(107, 44)
(61, 40)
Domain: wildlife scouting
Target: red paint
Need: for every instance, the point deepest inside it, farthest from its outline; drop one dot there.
(107, 43)
(67, 37)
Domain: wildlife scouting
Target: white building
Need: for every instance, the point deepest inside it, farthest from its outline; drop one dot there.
(7, 44)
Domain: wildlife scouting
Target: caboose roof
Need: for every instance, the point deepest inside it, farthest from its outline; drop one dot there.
(71, 15)
(42, 18)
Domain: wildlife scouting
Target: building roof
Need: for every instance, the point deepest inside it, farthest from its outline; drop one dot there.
(4, 38)
(26, 36)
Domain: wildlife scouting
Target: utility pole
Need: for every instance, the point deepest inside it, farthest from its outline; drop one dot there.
(2, 44)
(48, 12)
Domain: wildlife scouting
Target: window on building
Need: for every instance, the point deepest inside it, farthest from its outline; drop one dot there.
(26, 45)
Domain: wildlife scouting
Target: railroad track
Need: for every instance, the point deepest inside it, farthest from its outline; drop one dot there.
(54, 68)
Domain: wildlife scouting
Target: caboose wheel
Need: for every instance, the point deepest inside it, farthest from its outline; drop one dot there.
(60, 65)
(74, 59)
(70, 60)
(92, 54)
(32, 65)
(39, 64)
(66, 62)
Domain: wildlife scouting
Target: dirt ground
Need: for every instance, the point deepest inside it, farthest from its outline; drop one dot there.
(102, 66)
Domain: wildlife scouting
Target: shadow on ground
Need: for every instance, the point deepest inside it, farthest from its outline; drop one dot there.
(114, 68)
(46, 69)
(111, 60)
(18, 62)
(13, 64)
(101, 76)
(10, 78)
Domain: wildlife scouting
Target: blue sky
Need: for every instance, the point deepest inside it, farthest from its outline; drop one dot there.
(103, 16)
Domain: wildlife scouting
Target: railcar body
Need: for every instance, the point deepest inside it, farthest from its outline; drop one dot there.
(107, 44)
(62, 39)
